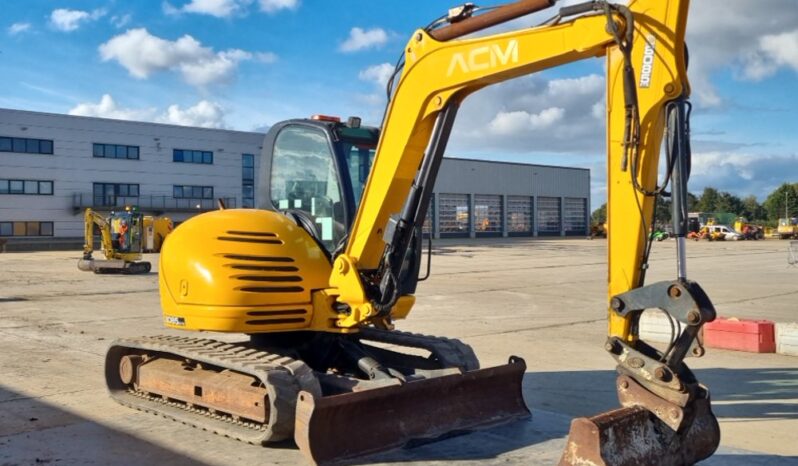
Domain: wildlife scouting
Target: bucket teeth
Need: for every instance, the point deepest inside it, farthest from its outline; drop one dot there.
(334, 428)
(634, 436)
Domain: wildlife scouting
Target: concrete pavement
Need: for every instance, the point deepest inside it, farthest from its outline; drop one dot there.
(539, 299)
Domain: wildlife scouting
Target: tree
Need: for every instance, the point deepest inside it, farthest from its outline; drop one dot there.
(784, 195)
(663, 213)
(752, 210)
(599, 215)
(692, 202)
(728, 202)
(708, 200)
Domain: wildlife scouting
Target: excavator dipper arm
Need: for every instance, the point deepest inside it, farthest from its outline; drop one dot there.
(92, 218)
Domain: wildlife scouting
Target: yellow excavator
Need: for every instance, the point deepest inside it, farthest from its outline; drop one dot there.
(121, 236)
(320, 273)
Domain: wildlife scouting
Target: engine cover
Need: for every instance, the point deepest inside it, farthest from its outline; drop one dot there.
(240, 270)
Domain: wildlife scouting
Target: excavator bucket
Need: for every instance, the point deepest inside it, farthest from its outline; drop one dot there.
(634, 436)
(339, 427)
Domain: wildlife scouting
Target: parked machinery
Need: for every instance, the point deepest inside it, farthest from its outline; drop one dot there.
(156, 229)
(788, 228)
(749, 230)
(121, 236)
(598, 230)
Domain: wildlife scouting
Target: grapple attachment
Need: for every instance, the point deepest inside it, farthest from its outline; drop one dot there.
(334, 428)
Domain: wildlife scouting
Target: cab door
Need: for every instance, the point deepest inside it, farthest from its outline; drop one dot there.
(305, 178)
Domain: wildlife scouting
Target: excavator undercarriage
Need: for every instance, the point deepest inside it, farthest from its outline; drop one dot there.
(260, 393)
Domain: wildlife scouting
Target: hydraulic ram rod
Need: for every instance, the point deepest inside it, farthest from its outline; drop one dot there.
(490, 18)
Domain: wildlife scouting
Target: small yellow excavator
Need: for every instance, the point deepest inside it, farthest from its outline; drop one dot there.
(320, 273)
(121, 237)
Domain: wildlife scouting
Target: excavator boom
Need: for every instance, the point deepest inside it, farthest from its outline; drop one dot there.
(647, 91)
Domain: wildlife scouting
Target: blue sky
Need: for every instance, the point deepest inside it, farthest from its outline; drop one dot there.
(245, 64)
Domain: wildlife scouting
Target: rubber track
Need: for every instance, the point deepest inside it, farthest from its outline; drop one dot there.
(449, 352)
(283, 377)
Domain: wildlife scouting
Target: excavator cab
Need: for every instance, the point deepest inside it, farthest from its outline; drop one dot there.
(126, 230)
(315, 171)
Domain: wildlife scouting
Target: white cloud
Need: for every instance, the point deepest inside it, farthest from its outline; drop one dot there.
(266, 57)
(169, 9)
(228, 8)
(273, 6)
(107, 108)
(505, 123)
(360, 39)
(557, 116)
(120, 21)
(774, 51)
(583, 86)
(213, 68)
(204, 114)
(737, 34)
(741, 173)
(67, 20)
(374, 101)
(18, 28)
(599, 110)
(143, 54)
(378, 74)
(217, 8)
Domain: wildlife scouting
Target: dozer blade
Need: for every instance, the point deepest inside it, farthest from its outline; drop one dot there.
(339, 427)
(634, 436)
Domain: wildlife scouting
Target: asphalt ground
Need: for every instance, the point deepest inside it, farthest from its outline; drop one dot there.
(540, 299)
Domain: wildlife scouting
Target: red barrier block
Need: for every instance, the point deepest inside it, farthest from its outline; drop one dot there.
(755, 336)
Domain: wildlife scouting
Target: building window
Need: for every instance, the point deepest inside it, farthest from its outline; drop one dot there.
(549, 215)
(192, 192)
(26, 145)
(487, 213)
(115, 151)
(427, 226)
(26, 187)
(519, 215)
(575, 216)
(115, 194)
(453, 217)
(247, 180)
(192, 156)
(26, 228)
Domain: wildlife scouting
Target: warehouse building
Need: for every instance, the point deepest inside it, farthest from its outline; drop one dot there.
(53, 167)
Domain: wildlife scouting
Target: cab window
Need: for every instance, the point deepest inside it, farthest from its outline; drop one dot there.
(359, 157)
(304, 178)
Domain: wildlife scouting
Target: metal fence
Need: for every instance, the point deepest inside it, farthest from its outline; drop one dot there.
(155, 203)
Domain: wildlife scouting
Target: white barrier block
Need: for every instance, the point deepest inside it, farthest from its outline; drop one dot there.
(655, 327)
(787, 339)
